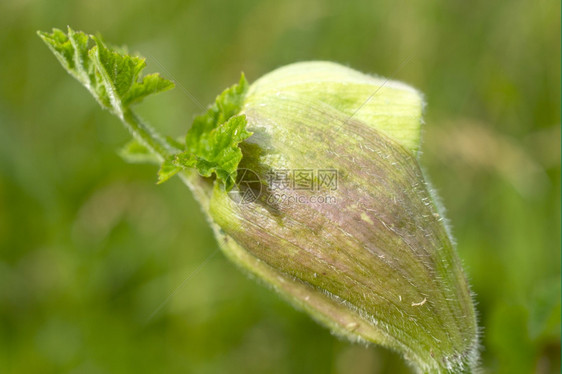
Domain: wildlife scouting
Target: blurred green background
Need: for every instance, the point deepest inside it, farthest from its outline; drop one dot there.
(91, 247)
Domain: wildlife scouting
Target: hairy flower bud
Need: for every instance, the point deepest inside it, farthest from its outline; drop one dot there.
(317, 191)
(332, 210)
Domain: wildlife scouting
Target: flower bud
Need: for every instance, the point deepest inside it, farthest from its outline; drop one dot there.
(329, 204)
(332, 210)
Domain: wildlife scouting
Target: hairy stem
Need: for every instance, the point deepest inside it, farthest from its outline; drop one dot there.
(146, 135)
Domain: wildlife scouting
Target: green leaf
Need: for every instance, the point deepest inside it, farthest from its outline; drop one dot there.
(115, 80)
(219, 152)
(113, 77)
(168, 169)
(121, 76)
(212, 141)
(174, 164)
(230, 101)
(227, 104)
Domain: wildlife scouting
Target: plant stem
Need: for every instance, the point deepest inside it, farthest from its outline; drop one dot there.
(146, 135)
(158, 145)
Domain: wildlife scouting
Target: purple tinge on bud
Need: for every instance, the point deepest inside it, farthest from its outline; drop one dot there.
(332, 210)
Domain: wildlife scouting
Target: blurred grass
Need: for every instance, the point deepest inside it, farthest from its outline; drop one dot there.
(90, 247)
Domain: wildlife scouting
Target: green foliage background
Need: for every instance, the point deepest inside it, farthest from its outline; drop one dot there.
(91, 247)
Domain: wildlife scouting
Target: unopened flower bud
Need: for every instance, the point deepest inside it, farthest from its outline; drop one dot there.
(317, 191)
(331, 209)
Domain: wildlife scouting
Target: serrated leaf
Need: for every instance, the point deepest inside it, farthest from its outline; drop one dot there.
(217, 151)
(150, 84)
(115, 80)
(121, 76)
(113, 77)
(227, 104)
(212, 141)
(230, 101)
